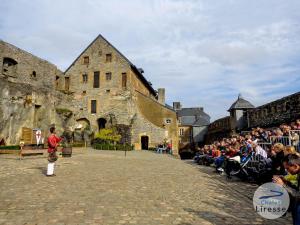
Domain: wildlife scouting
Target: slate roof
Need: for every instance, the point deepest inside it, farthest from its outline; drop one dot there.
(193, 117)
(133, 67)
(241, 103)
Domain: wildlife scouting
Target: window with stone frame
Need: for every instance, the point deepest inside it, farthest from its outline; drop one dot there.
(96, 79)
(108, 57)
(124, 80)
(86, 60)
(84, 78)
(108, 76)
(93, 106)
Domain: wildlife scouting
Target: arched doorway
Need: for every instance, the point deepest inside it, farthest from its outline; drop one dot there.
(144, 142)
(82, 123)
(101, 123)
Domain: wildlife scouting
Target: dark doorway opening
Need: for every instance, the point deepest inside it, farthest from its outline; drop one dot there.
(144, 142)
(101, 123)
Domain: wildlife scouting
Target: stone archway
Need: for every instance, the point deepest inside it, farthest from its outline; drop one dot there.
(83, 123)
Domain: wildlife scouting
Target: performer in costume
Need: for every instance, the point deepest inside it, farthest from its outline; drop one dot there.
(53, 142)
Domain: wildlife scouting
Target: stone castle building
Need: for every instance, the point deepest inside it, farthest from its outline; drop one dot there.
(110, 91)
(100, 89)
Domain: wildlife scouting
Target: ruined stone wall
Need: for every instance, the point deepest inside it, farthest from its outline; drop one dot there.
(24, 105)
(284, 110)
(27, 94)
(28, 68)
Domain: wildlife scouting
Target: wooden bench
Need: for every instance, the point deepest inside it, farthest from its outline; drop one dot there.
(27, 151)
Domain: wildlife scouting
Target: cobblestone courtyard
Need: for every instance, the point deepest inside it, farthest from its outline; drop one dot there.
(104, 187)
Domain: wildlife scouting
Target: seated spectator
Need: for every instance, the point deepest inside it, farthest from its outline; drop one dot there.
(160, 148)
(292, 165)
(295, 139)
(277, 155)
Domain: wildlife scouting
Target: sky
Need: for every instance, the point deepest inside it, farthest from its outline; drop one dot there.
(204, 52)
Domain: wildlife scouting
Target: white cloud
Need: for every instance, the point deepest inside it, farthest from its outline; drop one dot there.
(204, 52)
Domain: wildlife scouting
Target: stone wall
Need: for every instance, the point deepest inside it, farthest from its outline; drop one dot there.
(24, 105)
(19, 66)
(283, 110)
(219, 129)
(163, 121)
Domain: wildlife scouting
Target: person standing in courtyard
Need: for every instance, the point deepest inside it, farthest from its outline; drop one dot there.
(53, 142)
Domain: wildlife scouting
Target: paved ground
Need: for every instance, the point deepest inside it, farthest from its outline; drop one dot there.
(104, 187)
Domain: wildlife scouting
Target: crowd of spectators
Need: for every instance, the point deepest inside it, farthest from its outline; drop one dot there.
(261, 155)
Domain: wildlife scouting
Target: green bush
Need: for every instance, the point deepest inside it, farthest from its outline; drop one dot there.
(10, 147)
(117, 147)
(108, 135)
(152, 149)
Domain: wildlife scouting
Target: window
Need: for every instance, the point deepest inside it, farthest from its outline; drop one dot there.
(33, 75)
(96, 79)
(181, 131)
(84, 78)
(93, 106)
(84, 93)
(107, 91)
(108, 76)
(86, 60)
(9, 67)
(124, 80)
(168, 121)
(108, 57)
(67, 83)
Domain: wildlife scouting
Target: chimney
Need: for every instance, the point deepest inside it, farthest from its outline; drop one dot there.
(176, 106)
(161, 95)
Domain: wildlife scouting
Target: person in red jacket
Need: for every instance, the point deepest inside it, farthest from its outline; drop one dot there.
(53, 142)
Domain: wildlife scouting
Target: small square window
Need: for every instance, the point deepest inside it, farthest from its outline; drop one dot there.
(108, 76)
(86, 60)
(84, 93)
(168, 121)
(107, 91)
(108, 57)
